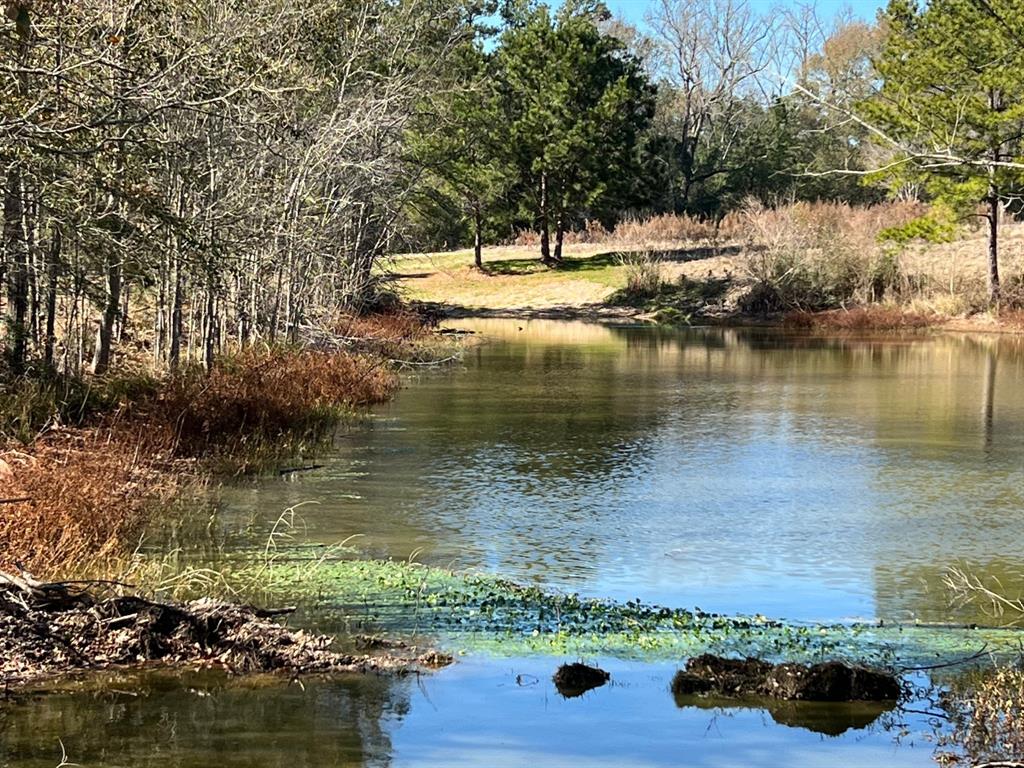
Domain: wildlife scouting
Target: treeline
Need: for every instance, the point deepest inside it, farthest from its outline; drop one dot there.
(185, 175)
(566, 116)
(190, 172)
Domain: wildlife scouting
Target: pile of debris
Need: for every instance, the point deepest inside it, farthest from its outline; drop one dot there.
(828, 681)
(49, 629)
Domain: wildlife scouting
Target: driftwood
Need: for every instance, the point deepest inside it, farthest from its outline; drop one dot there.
(53, 628)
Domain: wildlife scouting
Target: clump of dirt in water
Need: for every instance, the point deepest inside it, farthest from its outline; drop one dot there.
(828, 681)
(573, 680)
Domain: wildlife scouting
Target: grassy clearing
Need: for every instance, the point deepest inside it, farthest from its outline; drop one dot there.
(513, 277)
(802, 258)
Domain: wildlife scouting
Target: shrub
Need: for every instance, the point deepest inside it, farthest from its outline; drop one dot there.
(644, 276)
(815, 256)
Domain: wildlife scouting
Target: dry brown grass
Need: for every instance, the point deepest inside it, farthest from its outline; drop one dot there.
(86, 495)
(259, 397)
(78, 496)
(813, 256)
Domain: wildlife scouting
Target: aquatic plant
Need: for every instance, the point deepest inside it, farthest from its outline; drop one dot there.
(468, 611)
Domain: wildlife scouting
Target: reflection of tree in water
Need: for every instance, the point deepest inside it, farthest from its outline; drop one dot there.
(562, 450)
(205, 721)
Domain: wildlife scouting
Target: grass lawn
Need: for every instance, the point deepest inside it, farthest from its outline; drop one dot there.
(514, 278)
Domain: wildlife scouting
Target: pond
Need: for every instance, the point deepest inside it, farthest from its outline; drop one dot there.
(735, 470)
(738, 470)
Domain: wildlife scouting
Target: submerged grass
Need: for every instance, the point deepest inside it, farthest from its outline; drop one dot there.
(481, 612)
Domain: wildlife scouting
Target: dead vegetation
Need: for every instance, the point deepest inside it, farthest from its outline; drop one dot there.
(49, 629)
(986, 710)
(827, 681)
(83, 462)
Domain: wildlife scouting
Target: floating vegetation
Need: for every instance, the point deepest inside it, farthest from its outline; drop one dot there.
(486, 613)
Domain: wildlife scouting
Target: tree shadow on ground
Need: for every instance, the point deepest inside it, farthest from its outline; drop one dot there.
(532, 264)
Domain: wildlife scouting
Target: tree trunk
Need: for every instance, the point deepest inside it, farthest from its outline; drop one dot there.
(545, 235)
(993, 244)
(174, 345)
(478, 239)
(52, 278)
(16, 256)
(111, 310)
(210, 340)
(15, 239)
(559, 236)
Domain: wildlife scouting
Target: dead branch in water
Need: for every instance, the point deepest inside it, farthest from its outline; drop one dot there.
(968, 588)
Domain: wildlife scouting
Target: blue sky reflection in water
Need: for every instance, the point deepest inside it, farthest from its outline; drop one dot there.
(734, 470)
(499, 715)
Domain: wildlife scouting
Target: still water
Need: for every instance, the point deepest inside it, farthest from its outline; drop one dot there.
(734, 470)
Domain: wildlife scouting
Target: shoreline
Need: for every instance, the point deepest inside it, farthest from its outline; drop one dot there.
(818, 321)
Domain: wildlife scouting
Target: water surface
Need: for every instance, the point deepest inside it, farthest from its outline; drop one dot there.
(731, 470)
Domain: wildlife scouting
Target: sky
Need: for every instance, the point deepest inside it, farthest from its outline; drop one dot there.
(633, 10)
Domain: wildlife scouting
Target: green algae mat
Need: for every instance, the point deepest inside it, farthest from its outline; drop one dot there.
(474, 612)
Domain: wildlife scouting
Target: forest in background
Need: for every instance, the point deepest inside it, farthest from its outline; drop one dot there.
(183, 178)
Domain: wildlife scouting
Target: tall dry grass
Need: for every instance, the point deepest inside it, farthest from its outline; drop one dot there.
(812, 256)
(662, 230)
(257, 399)
(75, 498)
(84, 464)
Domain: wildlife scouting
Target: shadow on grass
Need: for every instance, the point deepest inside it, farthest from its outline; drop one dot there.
(687, 294)
(533, 264)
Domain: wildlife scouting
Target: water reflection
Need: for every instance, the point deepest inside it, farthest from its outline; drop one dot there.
(478, 713)
(204, 719)
(826, 718)
(735, 470)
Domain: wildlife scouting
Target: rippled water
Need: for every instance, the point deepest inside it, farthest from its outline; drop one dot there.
(734, 470)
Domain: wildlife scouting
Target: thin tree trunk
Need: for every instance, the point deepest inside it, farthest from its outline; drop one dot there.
(993, 243)
(478, 237)
(52, 279)
(545, 234)
(15, 240)
(111, 310)
(16, 254)
(210, 340)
